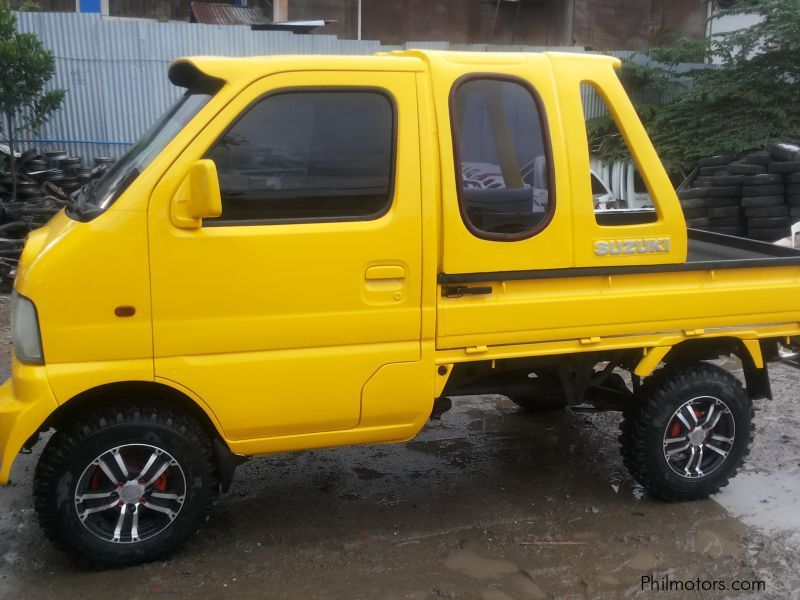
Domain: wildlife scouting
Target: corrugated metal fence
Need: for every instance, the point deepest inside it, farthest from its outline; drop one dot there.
(114, 71)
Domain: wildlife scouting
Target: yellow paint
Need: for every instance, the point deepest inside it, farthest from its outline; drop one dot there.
(198, 196)
(754, 348)
(651, 359)
(25, 402)
(297, 336)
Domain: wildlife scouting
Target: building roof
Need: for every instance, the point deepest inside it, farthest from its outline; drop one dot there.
(211, 13)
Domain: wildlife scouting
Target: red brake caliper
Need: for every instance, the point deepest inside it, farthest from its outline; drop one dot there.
(161, 483)
(94, 482)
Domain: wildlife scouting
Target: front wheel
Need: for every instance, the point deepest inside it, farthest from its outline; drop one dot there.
(688, 432)
(125, 484)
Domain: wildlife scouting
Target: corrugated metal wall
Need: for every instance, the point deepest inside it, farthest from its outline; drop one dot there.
(115, 71)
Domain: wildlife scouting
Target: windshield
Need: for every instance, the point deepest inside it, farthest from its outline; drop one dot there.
(98, 195)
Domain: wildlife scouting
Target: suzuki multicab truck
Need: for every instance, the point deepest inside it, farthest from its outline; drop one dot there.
(310, 251)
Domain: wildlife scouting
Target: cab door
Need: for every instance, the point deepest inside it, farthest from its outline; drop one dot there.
(506, 207)
(278, 312)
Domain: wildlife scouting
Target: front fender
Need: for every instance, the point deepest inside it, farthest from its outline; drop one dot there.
(25, 403)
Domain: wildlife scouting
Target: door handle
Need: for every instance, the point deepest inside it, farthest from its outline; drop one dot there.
(456, 291)
(385, 272)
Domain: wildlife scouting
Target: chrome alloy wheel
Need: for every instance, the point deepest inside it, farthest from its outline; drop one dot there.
(699, 437)
(130, 493)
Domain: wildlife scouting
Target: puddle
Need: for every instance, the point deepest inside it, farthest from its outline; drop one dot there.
(478, 567)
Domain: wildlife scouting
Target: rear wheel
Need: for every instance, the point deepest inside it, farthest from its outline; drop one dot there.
(125, 484)
(688, 433)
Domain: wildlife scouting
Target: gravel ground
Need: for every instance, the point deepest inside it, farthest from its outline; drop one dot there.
(488, 503)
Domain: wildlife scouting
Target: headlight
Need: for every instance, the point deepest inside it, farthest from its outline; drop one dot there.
(25, 334)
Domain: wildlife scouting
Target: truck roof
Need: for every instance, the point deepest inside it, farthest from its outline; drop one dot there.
(184, 71)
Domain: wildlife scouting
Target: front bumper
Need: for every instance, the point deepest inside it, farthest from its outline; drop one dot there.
(26, 400)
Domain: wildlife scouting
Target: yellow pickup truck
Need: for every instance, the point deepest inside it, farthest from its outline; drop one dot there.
(320, 251)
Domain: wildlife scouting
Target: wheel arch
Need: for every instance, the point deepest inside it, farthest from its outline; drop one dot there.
(152, 391)
(157, 392)
(749, 352)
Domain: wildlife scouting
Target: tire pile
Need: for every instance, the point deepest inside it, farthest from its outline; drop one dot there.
(44, 183)
(756, 196)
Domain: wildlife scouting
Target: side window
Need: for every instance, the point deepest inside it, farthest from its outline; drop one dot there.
(308, 156)
(619, 194)
(502, 156)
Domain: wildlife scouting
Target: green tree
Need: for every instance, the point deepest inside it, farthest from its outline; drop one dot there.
(652, 79)
(753, 97)
(25, 68)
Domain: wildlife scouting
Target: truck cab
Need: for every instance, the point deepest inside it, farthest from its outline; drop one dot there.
(309, 251)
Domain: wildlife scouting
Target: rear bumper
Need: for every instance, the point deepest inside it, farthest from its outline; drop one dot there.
(26, 401)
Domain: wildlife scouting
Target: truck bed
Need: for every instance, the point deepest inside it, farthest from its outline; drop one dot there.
(717, 251)
(706, 251)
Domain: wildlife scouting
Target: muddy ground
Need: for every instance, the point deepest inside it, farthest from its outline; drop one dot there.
(488, 503)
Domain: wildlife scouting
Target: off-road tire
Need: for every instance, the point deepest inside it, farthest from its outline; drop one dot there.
(546, 395)
(74, 447)
(645, 423)
(538, 404)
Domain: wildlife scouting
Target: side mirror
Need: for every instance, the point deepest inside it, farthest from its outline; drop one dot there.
(197, 197)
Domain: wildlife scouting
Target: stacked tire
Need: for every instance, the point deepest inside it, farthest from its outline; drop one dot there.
(793, 195)
(725, 203)
(714, 200)
(774, 195)
(694, 203)
(757, 196)
(765, 207)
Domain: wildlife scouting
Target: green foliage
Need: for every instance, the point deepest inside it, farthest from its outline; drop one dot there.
(25, 68)
(752, 98)
(21, 5)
